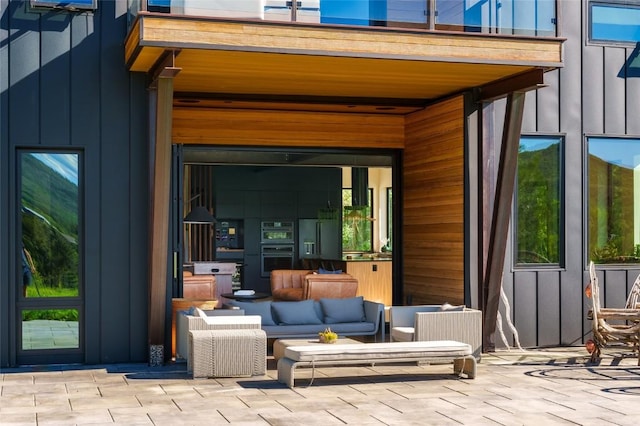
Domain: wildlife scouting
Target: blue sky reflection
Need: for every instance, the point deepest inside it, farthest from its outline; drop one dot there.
(66, 165)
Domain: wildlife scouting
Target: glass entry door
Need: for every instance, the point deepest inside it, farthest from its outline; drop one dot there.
(49, 297)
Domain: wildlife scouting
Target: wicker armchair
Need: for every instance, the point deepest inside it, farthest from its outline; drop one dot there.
(226, 319)
(611, 326)
(437, 322)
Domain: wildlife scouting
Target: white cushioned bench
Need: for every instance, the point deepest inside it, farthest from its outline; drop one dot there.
(460, 354)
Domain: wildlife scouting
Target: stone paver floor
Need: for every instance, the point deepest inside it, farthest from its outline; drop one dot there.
(536, 387)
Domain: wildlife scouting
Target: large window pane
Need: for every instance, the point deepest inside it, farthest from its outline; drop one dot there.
(615, 22)
(614, 200)
(49, 210)
(539, 201)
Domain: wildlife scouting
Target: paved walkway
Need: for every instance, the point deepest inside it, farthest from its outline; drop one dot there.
(539, 387)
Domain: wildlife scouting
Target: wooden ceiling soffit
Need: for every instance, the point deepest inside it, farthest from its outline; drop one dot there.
(524, 82)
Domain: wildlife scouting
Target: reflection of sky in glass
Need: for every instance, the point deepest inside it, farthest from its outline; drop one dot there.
(623, 152)
(618, 23)
(66, 165)
(536, 144)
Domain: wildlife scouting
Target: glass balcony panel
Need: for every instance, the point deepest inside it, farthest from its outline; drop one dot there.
(133, 7)
(521, 17)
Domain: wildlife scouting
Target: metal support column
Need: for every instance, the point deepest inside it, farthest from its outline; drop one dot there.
(505, 185)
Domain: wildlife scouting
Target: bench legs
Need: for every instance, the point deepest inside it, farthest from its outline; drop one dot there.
(286, 368)
(466, 365)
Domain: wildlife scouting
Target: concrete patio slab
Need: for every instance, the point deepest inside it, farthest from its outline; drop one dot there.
(555, 386)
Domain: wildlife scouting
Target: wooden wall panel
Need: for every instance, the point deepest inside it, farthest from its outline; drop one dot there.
(286, 128)
(433, 197)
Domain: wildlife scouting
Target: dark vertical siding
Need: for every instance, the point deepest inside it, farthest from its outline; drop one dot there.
(64, 85)
(6, 274)
(548, 102)
(548, 315)
(570, 118)
(525, 303)
(589, 96)
(55, 69)
(633, 91)
(593, 94)
(614, 91)
(115, 224)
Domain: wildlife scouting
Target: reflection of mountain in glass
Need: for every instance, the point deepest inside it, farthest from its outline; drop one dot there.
(50, 196)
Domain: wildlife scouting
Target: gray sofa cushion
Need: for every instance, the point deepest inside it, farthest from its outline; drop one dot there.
(312, 330)
(295, 313)
(257, 308)
(343, 310)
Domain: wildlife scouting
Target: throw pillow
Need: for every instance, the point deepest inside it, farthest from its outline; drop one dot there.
(327, 271)
(257, 308)
(295, 313)
(350, 309)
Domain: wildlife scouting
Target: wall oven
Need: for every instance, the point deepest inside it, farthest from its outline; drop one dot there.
(278, 256)
(277, 232)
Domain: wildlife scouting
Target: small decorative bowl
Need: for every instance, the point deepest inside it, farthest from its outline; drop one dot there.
(324, 339)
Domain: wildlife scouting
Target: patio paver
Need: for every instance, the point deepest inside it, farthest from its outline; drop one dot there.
(553, 386)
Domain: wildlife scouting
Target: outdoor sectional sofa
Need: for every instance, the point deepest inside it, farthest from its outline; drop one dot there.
(303, 319)
(351, 316)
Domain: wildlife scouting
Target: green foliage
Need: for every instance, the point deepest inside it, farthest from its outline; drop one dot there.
(611, 213)
(538, 206)
(50, 226)
(357, 225)
(51, 195)
(51, 314)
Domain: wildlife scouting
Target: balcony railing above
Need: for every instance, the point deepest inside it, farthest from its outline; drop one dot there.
(518, 17)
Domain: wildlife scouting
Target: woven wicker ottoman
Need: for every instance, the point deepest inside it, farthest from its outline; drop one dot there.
(227, 353)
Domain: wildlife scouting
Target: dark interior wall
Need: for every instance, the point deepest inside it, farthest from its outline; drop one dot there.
(256, 193)
(64, 85)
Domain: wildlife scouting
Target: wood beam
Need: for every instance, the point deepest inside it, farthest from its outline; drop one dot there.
(523, 82)
(159, 228)
(505, 185)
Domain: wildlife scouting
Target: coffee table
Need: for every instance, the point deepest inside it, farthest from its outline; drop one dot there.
(280, 344)
(246, 297)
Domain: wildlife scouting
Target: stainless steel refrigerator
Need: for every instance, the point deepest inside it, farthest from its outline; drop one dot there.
(319, 239)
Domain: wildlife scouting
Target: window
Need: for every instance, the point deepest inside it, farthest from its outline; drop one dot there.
(389, 245)
(614, 22)
(71, 6)
(357, 224)
(538, 204)
(614, 200)
(49, 250)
